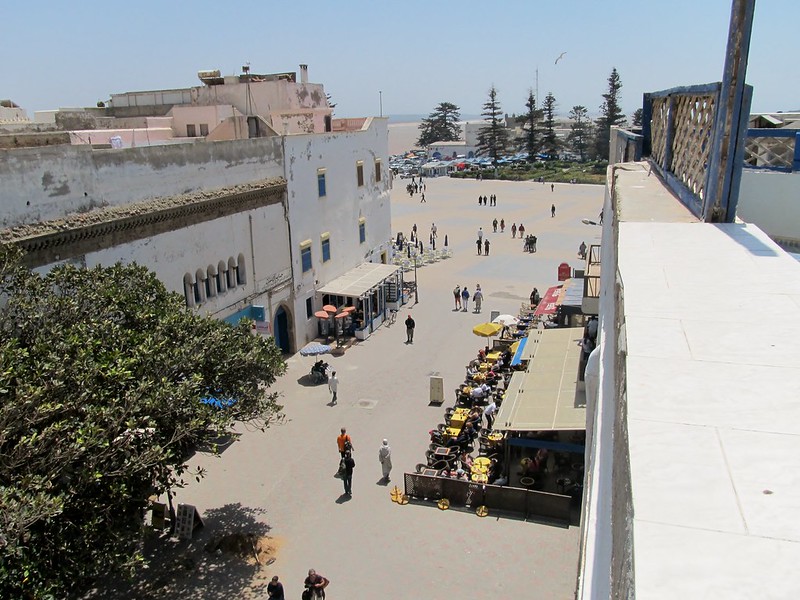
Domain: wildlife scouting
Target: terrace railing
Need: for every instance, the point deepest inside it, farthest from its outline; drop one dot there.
(774, 149)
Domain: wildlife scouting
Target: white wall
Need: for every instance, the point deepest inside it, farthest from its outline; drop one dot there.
(771, 200)
(41, 184)
(338, 212)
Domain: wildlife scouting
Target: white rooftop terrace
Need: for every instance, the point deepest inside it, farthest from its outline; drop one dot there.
(711, 317)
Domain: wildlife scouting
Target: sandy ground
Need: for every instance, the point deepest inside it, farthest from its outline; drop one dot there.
(403, 137)
(281, 483)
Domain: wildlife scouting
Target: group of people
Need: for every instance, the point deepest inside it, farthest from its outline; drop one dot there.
(347, 463)
(314, 587)
(415, 187)
(492, 200)
(461, 298)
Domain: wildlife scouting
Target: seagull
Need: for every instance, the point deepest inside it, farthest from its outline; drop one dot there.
(560, 56)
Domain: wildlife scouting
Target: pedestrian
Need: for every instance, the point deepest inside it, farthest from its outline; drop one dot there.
(513, 230)
(535, 298)
(464, 299)
(385, 458)
(347, 475)
(552, 210)
(457, 296)
(433, 230)
(344, 442)
(478, 298)
(480, 200)
(410, 324)
(314, 585)
(582, 251)
(486, 247)
(494, 225)
(480, 246)
(480, 233)
(533, 243)
(495, 199)
(601, 216)
(333, 386)
(422, 198)
(502, 225)
(489, 412)
(521, 231)
(552, 187)
(275, 589)
(414, 230)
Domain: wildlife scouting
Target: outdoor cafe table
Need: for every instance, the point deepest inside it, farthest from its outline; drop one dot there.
(482, 462)
(451, 432)
(459, 418)
(493, 356)
(480, 478)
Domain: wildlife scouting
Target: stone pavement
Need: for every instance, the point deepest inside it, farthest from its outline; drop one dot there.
(283, 480)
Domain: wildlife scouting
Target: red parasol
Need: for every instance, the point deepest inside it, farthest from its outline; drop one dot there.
(348, 309)
(321, 314)
(342, 315)
(330, 308)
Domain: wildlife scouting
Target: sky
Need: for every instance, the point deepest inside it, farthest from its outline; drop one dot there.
(410, 54)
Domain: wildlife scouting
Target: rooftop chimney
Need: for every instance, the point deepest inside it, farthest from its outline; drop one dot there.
(303, 73)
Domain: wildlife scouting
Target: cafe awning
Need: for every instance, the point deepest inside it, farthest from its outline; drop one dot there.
(357, 282)
(517, 359)
(547, 398)
(549, 303)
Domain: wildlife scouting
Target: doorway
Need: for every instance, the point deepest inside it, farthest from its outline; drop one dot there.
(281, 329)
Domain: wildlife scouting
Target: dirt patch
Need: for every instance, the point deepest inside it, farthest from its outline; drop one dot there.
(253, 548)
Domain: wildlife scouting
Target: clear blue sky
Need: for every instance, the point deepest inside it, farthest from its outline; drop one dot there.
(418, 53)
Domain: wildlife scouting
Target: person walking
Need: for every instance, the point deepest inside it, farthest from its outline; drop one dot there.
(275, 589)
(552, 210)
(480, 233)
(314, 585)
(521, 230)
(457, 297)
(478, 297)
(464, 299)
(582, 251)
(344, 442)
(552, 187)
(385, 458)
(533, 243)
(433, 230)
(347, 474)
(513, 230)
(333, 386)
(494, 226)
(489, 413)
(410, 324)
(535, 298)
(502, 225)
(422, 198)
(480, 200)
(486, 247)
(480, 246)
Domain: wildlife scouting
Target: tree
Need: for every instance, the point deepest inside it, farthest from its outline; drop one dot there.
(102, 372)
(637, 117)
(578, 138)
(550, 142)
(530, 128)
(492, 137)
(610, 114)
(441, 125)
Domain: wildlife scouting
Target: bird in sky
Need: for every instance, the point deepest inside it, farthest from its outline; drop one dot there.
(560, 56)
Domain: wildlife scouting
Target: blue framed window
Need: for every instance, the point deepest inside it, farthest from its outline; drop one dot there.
(305, 257)
(362, 231)
(321, 183)
(326, 249)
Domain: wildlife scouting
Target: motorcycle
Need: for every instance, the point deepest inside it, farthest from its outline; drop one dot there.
(319, 372)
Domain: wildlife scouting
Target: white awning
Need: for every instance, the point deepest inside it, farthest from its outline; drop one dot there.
(357, 282)
(545, 397)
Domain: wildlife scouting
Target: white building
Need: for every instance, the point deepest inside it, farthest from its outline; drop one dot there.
(247, 227)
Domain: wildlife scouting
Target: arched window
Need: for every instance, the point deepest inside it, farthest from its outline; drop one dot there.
(222, 277)
(231, 273)
(199, 286)
(241, 272)
(188, 289)
(211, 282)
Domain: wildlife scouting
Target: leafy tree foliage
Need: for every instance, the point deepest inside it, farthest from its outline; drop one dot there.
(550, 142)
(578, 138)
(530, 128)
(441, 125)
(492, 137)
(637, 117)
(102, 372)
(610, 114)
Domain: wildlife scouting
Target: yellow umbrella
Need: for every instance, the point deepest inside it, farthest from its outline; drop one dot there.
(487, 329)
(514, 347)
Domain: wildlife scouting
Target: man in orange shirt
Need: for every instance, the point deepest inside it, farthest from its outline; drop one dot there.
(344, 442)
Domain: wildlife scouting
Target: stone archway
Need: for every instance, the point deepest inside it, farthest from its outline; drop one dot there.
(283, 329)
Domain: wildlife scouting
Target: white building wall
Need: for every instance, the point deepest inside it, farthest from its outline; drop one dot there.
(41, 184)
(771, 200)
(339, 211)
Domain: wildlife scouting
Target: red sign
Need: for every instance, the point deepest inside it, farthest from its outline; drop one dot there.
(549, 302)
(564, 272)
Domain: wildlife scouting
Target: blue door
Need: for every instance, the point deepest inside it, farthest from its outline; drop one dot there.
(281, 329)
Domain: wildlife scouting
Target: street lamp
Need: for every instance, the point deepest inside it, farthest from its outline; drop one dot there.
(416, 285)
(380, 100)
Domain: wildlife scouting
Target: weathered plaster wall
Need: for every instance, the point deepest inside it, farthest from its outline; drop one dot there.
(340, 210)
(47, 183)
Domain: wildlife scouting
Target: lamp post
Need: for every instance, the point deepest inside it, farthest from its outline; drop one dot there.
(416, 285)
(380, 101)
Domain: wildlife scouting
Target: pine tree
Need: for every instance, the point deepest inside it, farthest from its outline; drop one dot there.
(550, 142)
(578, 138)
(492, 137)
(441, 125)
(610, 114)
(637, 117)
(530, 128)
